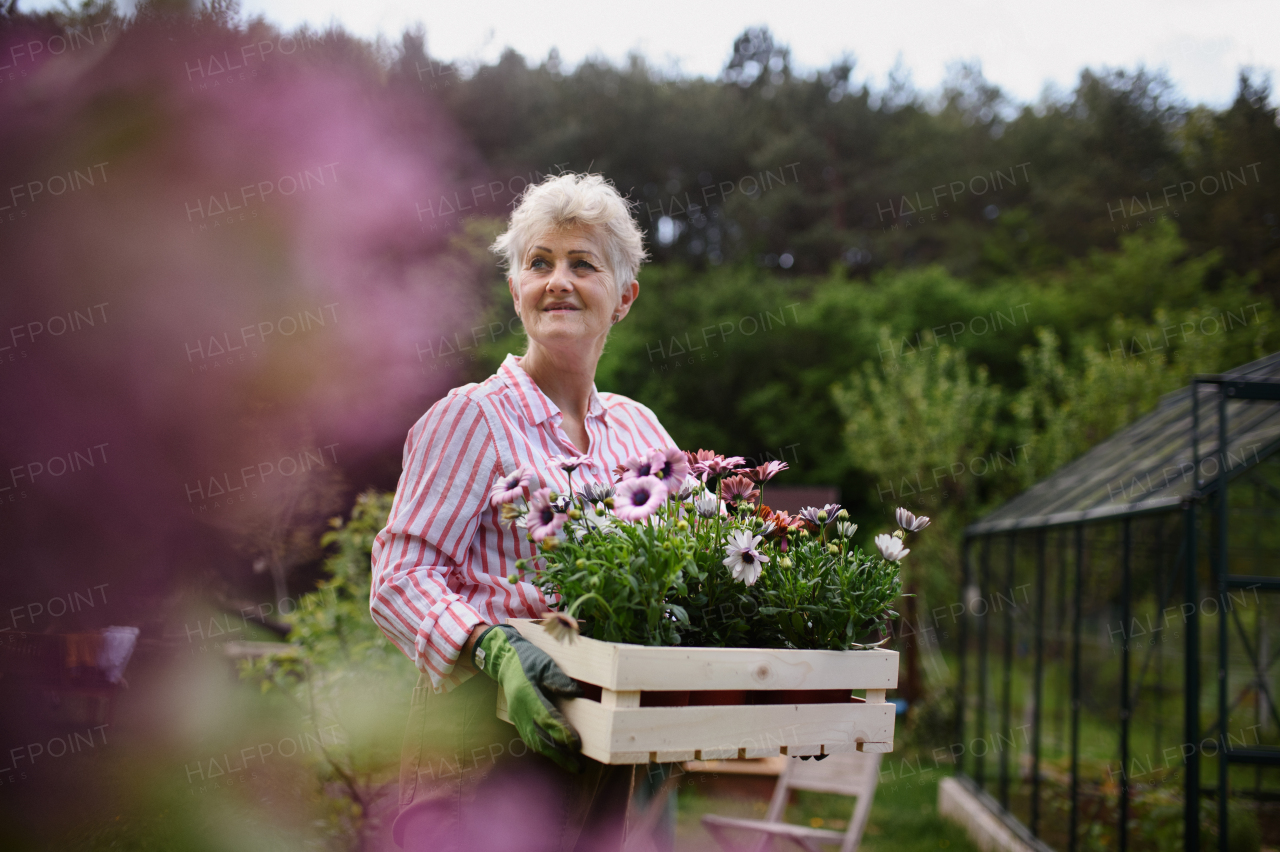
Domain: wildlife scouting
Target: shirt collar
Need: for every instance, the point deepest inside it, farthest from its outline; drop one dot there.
(537, 406)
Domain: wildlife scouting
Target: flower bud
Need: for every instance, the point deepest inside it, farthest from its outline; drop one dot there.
(581, 563)
(899, 534)
(549, 544)
(832, 549)
(608, 501)
(682, 525)
(784, 562)
(599, 512)
(842, 515)
(513, 579)
(574, 514)
(822, 516)
(804, 533)
(521, 564)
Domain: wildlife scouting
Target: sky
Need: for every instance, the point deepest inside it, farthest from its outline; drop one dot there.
(1021, 46)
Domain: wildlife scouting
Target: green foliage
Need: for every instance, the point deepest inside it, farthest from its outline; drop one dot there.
(841, 597)
(622, 584)
(331, 627)
(947, 410)
(341, 670)
(1155, 817)
(1065, 409)
(917, 425)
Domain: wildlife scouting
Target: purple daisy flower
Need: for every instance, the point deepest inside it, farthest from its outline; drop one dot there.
(910, 522)
(810, 513)
(638, 497)
(543, 519)
(637, 467)
(510, 487)
(669, 465)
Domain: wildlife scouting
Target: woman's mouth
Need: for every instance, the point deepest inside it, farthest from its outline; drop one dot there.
(560, 307)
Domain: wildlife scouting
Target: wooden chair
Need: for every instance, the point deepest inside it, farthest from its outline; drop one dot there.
(848, 774)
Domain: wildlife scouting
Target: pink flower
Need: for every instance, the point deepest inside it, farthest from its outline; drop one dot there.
(669, 465)
(737, 489)
(543, 519)
(710, 464)
(699, 456)
(766, 471)
(571, 463)
(509, 487)
(638, 497)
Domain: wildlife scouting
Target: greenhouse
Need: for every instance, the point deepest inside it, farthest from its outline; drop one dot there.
(1116, 668)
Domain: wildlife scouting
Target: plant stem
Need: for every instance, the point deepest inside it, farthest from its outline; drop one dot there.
(719, 518)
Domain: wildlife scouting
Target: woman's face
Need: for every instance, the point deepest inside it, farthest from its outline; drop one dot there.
(563, 291)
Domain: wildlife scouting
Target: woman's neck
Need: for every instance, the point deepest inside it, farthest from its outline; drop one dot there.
(566, 378)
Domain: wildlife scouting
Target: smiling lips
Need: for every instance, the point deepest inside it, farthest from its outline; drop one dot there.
(561, 306)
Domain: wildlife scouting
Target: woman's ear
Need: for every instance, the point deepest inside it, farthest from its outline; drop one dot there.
(515, 297)
(629, 294)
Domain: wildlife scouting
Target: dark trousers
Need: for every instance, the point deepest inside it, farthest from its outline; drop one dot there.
(469, 783)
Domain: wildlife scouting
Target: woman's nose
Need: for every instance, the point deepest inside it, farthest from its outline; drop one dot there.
(560, 280)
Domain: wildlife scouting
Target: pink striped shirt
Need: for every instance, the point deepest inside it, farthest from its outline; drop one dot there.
(440, 566)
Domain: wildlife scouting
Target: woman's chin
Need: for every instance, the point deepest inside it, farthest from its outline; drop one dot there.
(560, 334)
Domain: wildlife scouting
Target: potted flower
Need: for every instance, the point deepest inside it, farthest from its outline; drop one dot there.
(679, 578)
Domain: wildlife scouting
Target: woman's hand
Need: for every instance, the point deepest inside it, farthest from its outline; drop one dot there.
(527, 675)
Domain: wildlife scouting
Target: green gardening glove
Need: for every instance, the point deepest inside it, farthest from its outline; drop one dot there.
(527, 674)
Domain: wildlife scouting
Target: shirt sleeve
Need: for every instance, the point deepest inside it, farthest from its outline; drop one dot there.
(449, 463)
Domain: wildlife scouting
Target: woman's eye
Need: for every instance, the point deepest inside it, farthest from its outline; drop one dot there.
(586, 265)
(537, 263)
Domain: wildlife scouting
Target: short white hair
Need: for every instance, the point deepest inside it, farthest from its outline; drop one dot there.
(566, 200)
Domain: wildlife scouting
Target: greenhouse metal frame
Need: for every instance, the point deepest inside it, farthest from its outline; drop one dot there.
(1153, 567)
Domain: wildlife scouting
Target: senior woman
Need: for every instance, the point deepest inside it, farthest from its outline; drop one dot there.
(445, 576)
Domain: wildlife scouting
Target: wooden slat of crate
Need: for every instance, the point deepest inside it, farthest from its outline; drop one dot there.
(638, 667)
(668, 734)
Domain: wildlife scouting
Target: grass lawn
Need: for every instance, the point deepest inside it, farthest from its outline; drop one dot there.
(904, 817)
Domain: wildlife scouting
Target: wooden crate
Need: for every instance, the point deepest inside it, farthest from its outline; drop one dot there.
(617, 729)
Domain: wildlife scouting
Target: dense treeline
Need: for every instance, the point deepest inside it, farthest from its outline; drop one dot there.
(882, 179)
